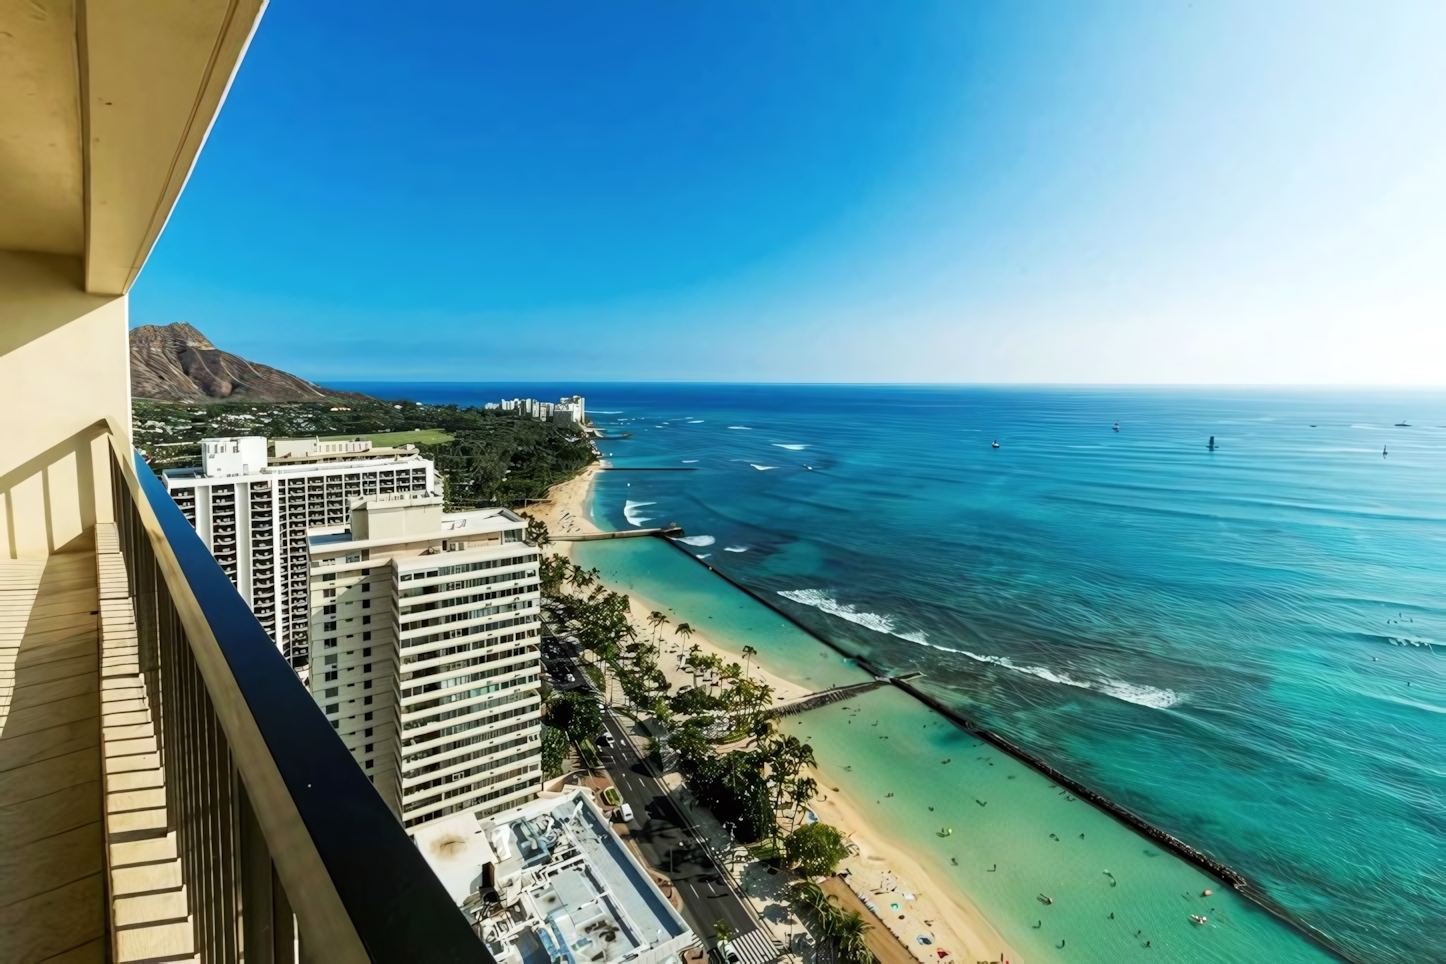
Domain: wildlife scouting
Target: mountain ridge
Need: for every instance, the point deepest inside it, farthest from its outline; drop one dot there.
(177, 363)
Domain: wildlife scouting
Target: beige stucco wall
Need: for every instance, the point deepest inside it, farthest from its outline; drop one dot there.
(64, 371)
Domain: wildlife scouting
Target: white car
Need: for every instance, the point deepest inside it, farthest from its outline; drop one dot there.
(625, 813)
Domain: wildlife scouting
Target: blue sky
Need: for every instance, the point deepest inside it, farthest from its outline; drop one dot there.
(879, 192)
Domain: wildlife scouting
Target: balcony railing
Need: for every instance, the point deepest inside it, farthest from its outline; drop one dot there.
(287, 853)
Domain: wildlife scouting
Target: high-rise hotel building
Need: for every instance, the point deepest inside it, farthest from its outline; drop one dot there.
(424, 656)
(252, 512)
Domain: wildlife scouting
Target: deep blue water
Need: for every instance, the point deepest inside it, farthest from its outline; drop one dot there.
(1236, 644)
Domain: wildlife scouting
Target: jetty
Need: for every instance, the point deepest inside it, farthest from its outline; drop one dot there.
(646, 468)
(667, 532)
(823, 698)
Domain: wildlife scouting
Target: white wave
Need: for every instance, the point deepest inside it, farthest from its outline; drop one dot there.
(1138, 694)
(822, 600)
(705, 555)
(741, 428)
(600, 411)
(735, 548)
(695, 421)
(696, 540)
(689, 461)
(762, 468)
(630, 512)
(791, 448)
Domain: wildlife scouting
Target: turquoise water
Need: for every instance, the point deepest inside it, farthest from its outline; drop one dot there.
(1237, 644)
(885, 742)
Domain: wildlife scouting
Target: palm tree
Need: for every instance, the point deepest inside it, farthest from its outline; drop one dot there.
(657, 620)
(748, 653)
(684, 630)
(850, 932)
(580, 577)
(803, 790)
(814, 901)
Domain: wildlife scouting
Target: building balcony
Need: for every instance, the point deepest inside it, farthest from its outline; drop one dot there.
(223, 812)
(169, 791)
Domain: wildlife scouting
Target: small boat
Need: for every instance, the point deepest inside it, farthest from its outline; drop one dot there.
(1403, 424)
(995, 444)
(1046, 899)
(946, 832)
(1198, 918)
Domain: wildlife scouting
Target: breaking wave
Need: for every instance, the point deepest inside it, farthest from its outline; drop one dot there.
(741, 428)
(790, 447)
(735, 548)
(630, 512)
(696, 540)
(689, 461)
(762, 468)
(1138, 694)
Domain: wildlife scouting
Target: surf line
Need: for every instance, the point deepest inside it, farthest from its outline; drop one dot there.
(1134, 821)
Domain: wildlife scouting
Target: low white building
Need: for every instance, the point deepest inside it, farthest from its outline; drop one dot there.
(550, 883)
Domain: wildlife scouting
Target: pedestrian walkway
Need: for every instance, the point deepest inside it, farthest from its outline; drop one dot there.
(754, 947)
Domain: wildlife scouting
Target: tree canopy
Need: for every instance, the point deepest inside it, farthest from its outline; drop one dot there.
(815, 849)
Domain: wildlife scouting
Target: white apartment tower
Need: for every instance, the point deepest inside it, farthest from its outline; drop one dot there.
(424, 654)
(252, 513)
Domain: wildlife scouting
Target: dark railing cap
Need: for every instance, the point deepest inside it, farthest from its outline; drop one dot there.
(398, 907)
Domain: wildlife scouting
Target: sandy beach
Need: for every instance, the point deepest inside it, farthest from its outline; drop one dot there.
(881, 872)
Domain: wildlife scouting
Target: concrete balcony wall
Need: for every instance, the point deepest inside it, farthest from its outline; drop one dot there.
(64, 378)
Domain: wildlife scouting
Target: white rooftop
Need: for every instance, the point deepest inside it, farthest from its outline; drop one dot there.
(550, 883)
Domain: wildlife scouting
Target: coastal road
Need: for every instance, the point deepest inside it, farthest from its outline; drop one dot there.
(667, 843)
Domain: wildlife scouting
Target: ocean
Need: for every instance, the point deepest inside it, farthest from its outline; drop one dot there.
(1239, 644)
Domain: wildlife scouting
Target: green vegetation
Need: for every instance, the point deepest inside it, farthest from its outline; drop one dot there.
(746, 788)
(577, 715)
(815, 849)
(487, 457)
(416, 436)
(554, 752)
(845, 929)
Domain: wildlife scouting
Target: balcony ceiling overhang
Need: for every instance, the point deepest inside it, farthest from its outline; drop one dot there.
(104, 106)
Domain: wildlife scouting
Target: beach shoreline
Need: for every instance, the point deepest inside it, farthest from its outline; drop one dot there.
(945, 915)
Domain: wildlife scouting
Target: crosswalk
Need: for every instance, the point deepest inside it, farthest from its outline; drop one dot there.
(754, 947)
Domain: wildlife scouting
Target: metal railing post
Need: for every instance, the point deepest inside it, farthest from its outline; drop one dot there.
(285, 849)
